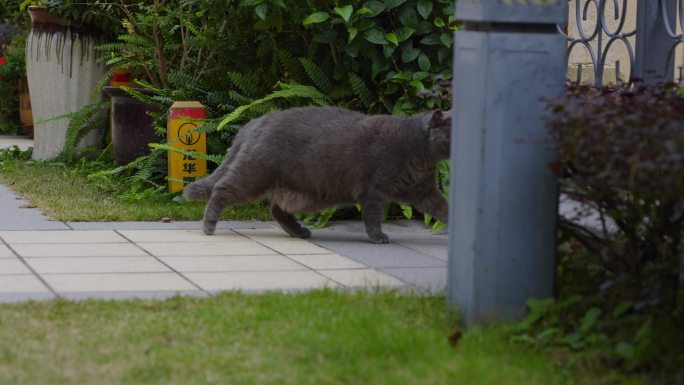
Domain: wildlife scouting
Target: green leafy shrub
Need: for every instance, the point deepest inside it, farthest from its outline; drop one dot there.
(367, 55)
(13, 12)
(387, 54)
(160, 40)
(12, 74)
(7, 32)
(622, 154)
(102, 17)
(199, 55)
(7, 155)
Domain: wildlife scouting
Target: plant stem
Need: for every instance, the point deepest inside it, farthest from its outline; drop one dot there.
(159, 47)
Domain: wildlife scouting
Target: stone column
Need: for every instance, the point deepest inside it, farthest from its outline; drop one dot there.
(654, 61)
(503, 204)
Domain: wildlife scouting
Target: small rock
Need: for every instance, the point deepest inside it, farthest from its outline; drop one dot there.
(455, 337)
(166, 220)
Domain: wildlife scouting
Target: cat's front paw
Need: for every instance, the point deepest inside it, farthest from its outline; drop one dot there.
(304, 233)
(299, 232)
(380, 239)
(209, 227)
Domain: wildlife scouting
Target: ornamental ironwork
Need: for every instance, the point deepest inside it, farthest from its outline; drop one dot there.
(603, 38)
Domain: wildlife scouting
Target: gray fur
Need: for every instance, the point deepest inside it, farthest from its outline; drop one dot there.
(308, 159)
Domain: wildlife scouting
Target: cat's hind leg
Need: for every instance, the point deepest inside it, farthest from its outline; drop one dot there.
(288, 222)
(238, 185)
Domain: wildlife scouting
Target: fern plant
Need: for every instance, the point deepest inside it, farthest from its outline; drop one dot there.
(81, 123)
(320, 220)
(216, 159)
(136, 174)
(287, 92)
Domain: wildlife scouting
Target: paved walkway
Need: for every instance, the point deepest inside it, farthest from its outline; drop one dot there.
(44, 259)
(20, 141)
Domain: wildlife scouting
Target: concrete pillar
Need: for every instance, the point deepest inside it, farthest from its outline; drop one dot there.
(503, 201)
(655, 40)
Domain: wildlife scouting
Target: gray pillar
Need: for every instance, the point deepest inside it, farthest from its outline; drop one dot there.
(654, 56)
(503, 201)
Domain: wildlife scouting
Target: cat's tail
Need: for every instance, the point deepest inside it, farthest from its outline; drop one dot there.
(201, 189)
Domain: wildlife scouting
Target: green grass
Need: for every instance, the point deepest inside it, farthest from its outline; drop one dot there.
(66, 194)
(319, 337)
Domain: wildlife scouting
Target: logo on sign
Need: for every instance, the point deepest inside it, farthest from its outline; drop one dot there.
(187, 135)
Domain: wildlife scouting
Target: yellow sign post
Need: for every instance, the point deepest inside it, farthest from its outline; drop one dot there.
(184, 118)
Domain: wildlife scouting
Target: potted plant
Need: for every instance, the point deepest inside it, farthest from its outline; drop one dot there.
(132, 123)
(62, 70)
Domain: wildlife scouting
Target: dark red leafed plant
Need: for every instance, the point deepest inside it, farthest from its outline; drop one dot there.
(622, 151)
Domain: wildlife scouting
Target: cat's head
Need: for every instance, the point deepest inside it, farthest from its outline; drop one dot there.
(438, 126)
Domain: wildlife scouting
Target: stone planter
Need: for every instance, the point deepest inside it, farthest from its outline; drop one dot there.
(122, 77)
(62, 71)
(131, 125)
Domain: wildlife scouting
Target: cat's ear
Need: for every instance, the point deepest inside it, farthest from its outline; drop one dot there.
(436, 118)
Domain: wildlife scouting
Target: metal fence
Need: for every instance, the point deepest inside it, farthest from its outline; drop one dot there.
(615, 41)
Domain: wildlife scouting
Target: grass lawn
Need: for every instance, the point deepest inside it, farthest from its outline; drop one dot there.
(319, 337)
(65, 194)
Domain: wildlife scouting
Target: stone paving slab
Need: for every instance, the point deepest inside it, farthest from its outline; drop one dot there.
(92, 250)
(236, 263)
(190, 249)
(362, 278)
(64, 283)
(263, 281)
(89, 265)
(24, 283)
(121, 295)
(380, 256)
(175, 236)
(11, 266)
(326, 261)
(430, 279)
(183, 225)
(5, 252)
(111, 264)
(435, 247)
(23, 297)
(14, 215)
(61, 236)
(7, 141)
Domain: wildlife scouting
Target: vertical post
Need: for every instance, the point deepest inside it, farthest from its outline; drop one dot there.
(654, 56)
(184, 118)
(679, 66)
(503, 206)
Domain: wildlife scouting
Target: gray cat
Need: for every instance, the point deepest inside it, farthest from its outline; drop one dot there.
(308, 159)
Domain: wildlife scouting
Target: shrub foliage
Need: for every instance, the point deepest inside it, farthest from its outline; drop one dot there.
(623, 151)
(622, 157)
